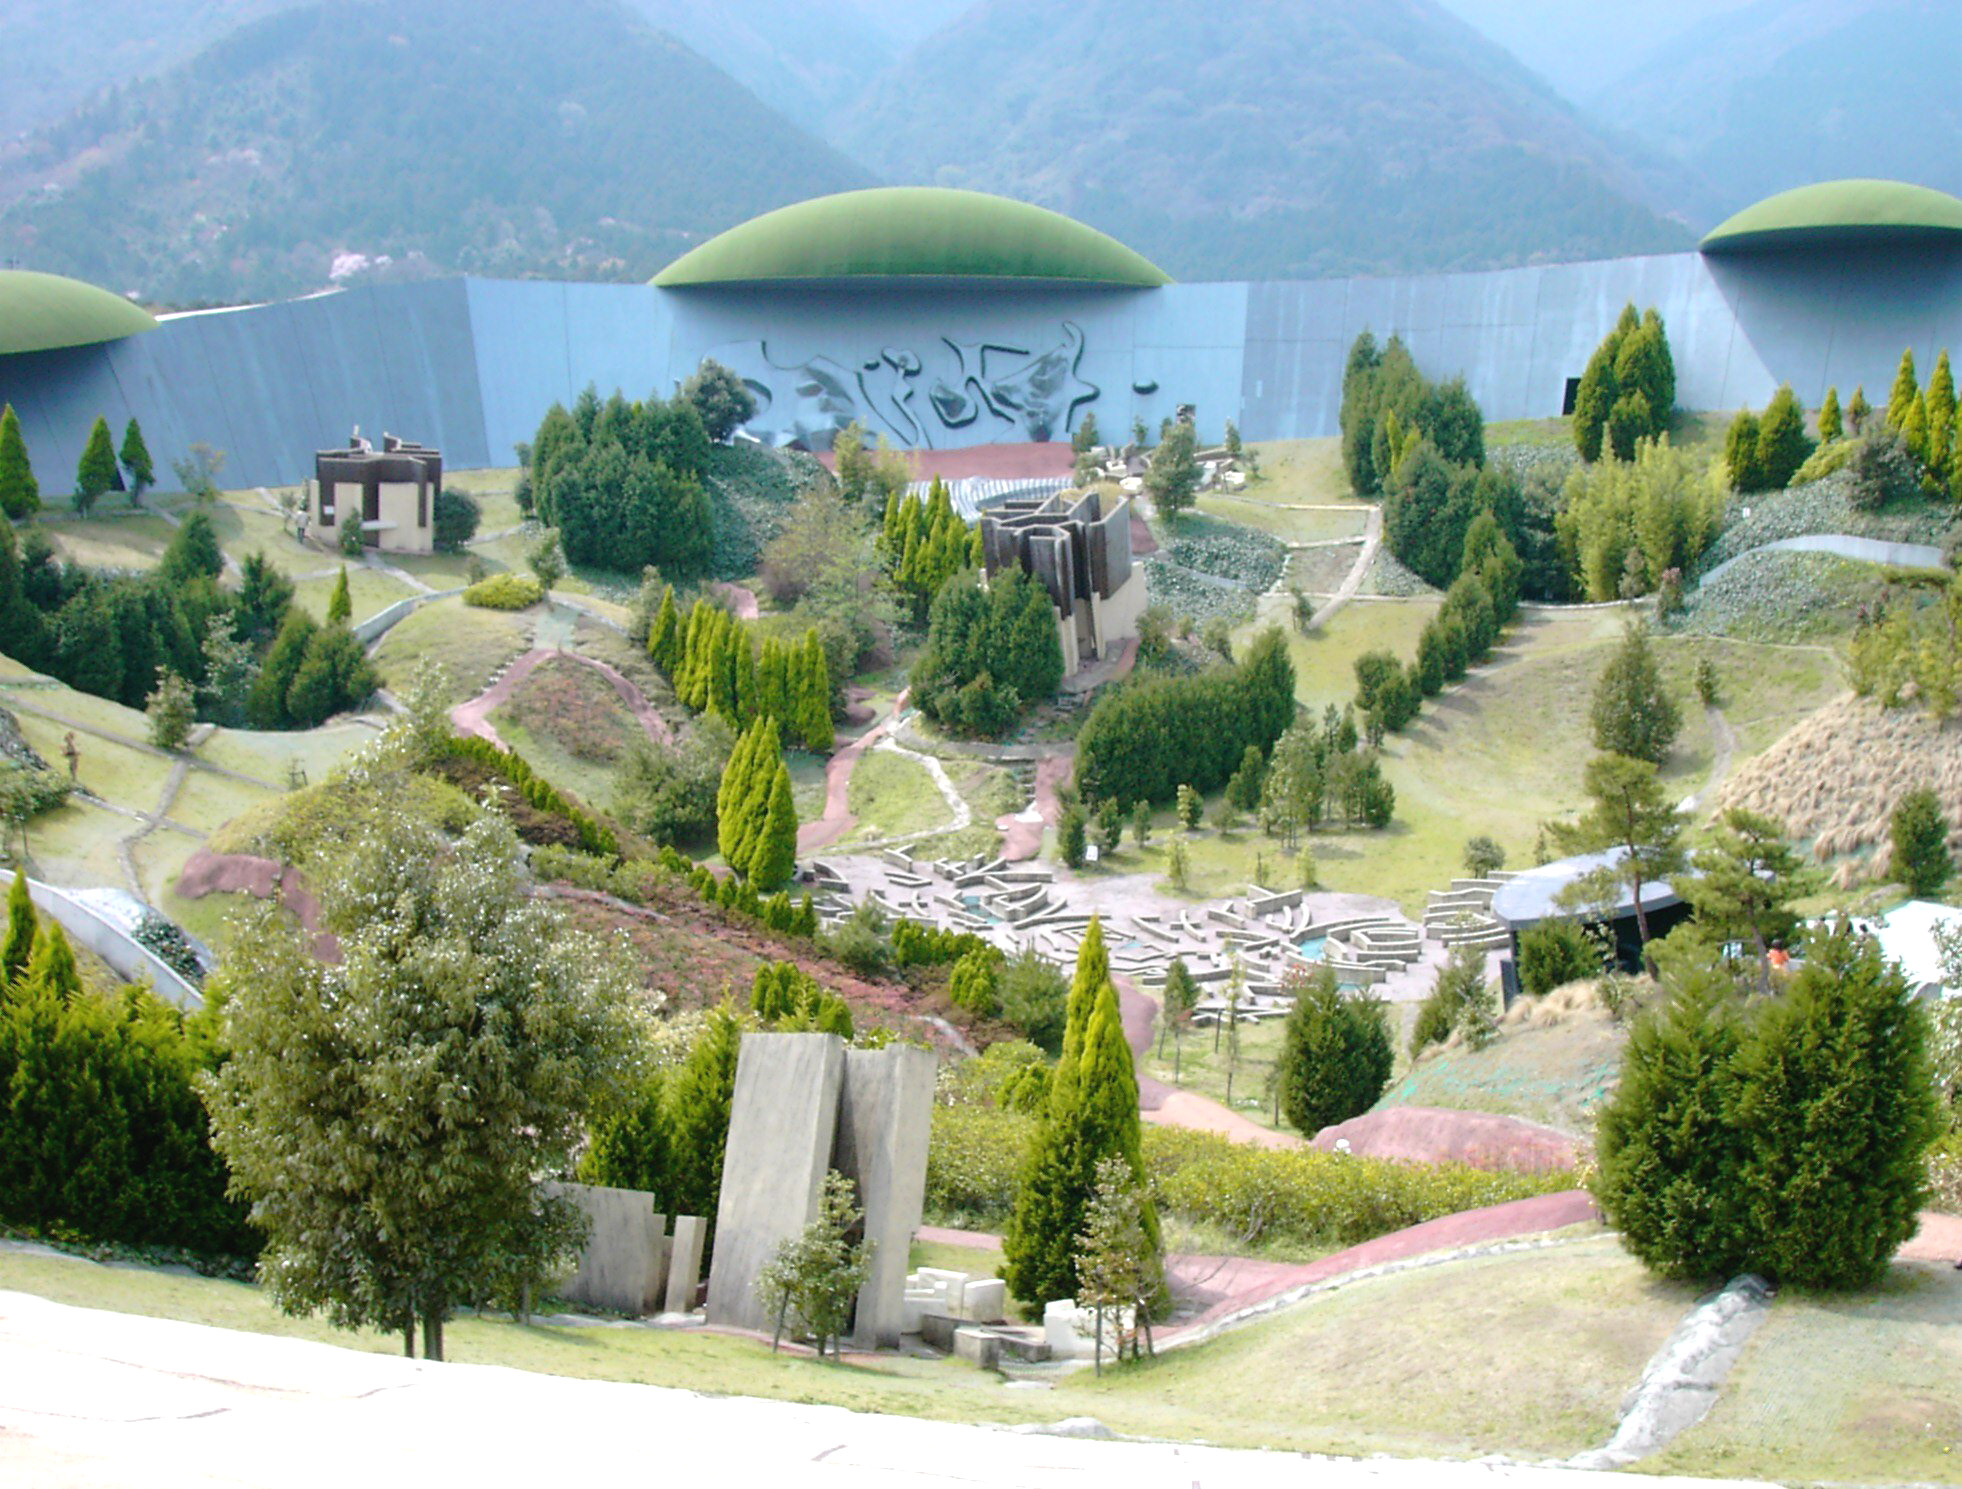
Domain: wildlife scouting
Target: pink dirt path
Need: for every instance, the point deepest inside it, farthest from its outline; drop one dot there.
(837, 819)
(1939, 1240)
(206, 873)
(1020, 840)
(1428, 1134)
(473, 717)
(741, 602)
(1225, 1285)
(1165, 1106)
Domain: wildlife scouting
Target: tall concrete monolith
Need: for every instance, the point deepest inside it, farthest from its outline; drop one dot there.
(781, 1126)
(685, 1262)
(885, 1113)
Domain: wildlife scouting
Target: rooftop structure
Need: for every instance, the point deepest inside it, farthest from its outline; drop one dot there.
(1082, 556)
(1838, 214)
(1528, 898)
(47, 312)
(912, 232)
(391, 492)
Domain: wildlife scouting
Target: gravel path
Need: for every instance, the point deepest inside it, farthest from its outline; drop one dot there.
(1372, 542)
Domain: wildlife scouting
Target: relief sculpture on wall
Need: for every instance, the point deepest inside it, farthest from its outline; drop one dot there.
(981, 392)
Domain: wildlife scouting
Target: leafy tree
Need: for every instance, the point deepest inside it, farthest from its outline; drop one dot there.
(230, 669)
(1483, 857)
(1632, 712)
(1905, 394)
(1782, 442)
(1336, 1056)
(1920, 841)
(1832, 425)
(851, 462)
(136, 461)
(1118, 1263)
(340, 606)
(1628, 813)
(1173, 477)
(723, 399)
(1178, 866)
(1836, 1097)
(668, 796)
(172, 709)
(1141, 823)
(97, 473)
(814, 1277)
(1858, 411)
(382, 1201)
(20, 495)
(197, 472)
(1746, 881)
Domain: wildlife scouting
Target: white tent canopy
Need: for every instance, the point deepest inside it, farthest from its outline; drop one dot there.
(1908, 937)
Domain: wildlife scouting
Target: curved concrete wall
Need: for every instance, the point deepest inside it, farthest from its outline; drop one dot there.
(470, 365)
(125, 957)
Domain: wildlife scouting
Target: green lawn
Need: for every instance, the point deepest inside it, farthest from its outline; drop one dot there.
(268, 757)
(244, 525)
(206, 802)
(120, 775)
(1192, 1063)
(1325, 659)
(1528, 1356)
(469, 642)
(1258, 508)
(111, 541)
(75, 845)
(368, 592)
(1301, 470)
(892, 796)
(496, 506)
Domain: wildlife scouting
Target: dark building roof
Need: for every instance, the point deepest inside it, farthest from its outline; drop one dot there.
(1533, 896)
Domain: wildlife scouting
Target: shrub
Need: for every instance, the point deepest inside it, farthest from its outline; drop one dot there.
(1336, 1056)
(168, 944)
(504, 592)
(972, 987)
(456, 516)
(1555, 953)
(594, 837)
(1883, 471)
(1920, 835)
(1460, 1001)
(1033, 998)
(1483, 857)
(860, 942)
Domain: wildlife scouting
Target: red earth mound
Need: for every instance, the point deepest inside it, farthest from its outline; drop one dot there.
(1429, 1134)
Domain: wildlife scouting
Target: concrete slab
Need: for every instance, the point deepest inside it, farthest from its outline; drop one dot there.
(623, 1266)
(685, 1262)
(885, 1113)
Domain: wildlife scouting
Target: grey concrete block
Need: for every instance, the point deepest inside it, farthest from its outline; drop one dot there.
(937, 1329)
(885, 1113)
(685, 1262)
(985, 1300)
(781, 1125)
(623, 1266)
(980, 1346)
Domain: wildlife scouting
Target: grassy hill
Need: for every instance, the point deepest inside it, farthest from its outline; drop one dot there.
(443, 135)
(1270, 141)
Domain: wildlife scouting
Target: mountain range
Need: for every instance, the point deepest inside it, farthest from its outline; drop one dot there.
(195, 150)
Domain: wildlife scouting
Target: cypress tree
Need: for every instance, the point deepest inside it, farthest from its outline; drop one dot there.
(1741, 452)
(52, 968)
(17, 947)
(813, 702)
(20, 496)
(1782, 443)
(775, 855)
(1336, 1056)
(136, 462)
(663, 635)
(1919, 832)
(1939, 407)
(1831, 426)
(1914, 431)
(340, 606)
(732, 794)
(1858, 410)
(267, 706)
(771, 696)
(744, 682)
(1906, 392)
(699, 1098)
(96, 472)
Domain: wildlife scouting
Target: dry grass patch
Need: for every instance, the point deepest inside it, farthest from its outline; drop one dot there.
(1835, 780)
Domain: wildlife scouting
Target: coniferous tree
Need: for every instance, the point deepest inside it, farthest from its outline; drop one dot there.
(136, 461)
(193, 552)
(17, 947)
(1831, 425)
(1782, 442)
(813, 696)
(1630, 814)
(1920, 839)
(1632, 712)
(1746, 880)
(1596, 397)
(96, 472)
(20, 495)
(1336, 1056)
(663, 634)
(775, 854)
(52, 968)
(1742, 444)
(264, 596)
(1939, 406)
(1914, 431)
(267, 706)
(340, 606)
(1905, 394)
(732, 797)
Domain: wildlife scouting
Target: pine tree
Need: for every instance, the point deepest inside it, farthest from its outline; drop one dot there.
(17, 947)
(172, 710)
(1831, 426)
(813, 696)
(340, 605)
(1336, 1056)
(663, 637)
(1746, 880)
(1633, 714)
(744, 683)
(136, 462)
(1920, 840)
(1906, 392)
(20, 495)
(1741, 453)
(96, 472)
(732, 796)
(774, 857)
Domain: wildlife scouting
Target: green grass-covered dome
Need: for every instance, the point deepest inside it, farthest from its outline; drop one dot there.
(41, 312)
(1835, 212)
(912, 232)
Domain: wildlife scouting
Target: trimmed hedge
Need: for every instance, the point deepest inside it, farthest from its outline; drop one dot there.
(505, 592)
(594, 837)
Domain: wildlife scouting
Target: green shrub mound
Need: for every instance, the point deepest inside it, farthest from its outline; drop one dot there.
(505, 592)
(594, 837)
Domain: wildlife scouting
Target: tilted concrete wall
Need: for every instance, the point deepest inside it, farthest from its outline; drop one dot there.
(470, 366)
(782, 1121)
(885, 1113)
(123, 955)
(624, 1265)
